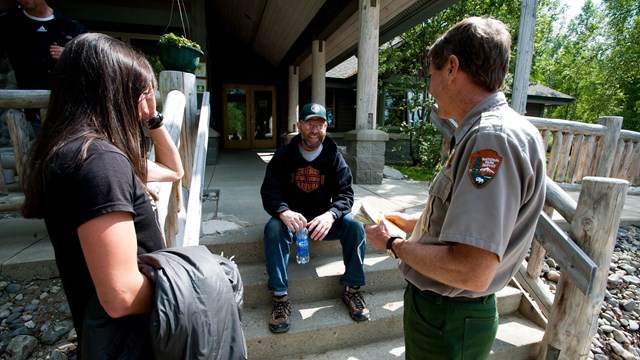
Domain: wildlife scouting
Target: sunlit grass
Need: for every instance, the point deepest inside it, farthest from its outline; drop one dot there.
(419, 172)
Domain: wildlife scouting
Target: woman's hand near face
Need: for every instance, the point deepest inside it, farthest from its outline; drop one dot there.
(168, 165)
(147, 105)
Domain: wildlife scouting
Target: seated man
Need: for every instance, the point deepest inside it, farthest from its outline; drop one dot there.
(308, 184)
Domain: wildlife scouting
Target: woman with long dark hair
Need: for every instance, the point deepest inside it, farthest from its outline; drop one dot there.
(86, 177)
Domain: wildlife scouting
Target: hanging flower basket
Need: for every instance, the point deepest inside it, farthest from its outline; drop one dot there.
(178, 53)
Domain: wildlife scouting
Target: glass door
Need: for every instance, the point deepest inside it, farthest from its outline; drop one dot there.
(249, 116)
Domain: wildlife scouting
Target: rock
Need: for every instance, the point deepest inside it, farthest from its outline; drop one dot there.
(58, 355)
(607, 328)
(620, 351)
(21, 347)
(55, 333)
(632, 280)
(629, 305)
(391, 173)
(553, 275)
(13, 288)
(620, 337)
(614, 279)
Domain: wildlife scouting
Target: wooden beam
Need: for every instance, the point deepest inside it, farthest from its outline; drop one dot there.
(24, 99)
(573, 261)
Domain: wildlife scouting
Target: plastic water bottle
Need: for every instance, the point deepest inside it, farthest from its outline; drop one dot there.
(302, 245)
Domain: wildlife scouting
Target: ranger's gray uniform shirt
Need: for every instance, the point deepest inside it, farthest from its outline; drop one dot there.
(489, 194)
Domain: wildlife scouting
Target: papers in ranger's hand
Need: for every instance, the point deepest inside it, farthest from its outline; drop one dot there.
(369, 215)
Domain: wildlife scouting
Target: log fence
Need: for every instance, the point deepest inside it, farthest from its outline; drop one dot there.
(577, 150)
(180, 203)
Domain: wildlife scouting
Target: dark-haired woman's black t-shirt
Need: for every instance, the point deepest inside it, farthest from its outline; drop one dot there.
(105, 182)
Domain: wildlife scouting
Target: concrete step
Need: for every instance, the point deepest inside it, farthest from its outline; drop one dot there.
(320, 278)
(322, 325)
(517, 338)
(327, 322)
(245, 243)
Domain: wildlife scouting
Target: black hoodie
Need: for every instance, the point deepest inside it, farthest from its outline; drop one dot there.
(310, 188)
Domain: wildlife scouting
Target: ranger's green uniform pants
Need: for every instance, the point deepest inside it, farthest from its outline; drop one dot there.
(437, 327)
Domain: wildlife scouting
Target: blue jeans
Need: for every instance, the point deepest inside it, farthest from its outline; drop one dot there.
(277, 243)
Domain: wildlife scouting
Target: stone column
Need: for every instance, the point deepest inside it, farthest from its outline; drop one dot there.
(318, 72)
(365, 145)
(294, 86)
(365, 155)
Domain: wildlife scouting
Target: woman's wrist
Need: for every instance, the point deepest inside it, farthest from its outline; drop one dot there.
(155, 122)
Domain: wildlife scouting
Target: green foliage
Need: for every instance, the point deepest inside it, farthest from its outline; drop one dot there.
(173, 39)
(417, 172)
(425, 143)
(403, 65)
(156, 65)
(594, 58)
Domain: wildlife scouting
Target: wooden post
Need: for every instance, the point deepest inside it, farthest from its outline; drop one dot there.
(574, 317)
(367, 84)
(186, 84)
(608, 144)
(19, 132)
(3, 184)
(169, 202)
(524, 55)
(318, 72)
(294, 85)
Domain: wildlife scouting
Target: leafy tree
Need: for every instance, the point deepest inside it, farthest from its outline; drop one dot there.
(624, 64)
(595, 60)
(403, 63)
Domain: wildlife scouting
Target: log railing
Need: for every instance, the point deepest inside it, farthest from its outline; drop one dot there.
(578, 149)
(179, 204)
(584, 254)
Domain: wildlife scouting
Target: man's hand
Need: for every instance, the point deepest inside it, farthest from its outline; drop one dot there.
(293, 220)
(377, 235)
(320, 226)
(55, 51)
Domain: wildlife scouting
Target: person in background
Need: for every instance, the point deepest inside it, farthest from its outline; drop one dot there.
(34, 37)
(483, 206)
(86, 178)
(308, 184)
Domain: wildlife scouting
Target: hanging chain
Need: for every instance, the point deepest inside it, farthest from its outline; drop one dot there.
(183, 16)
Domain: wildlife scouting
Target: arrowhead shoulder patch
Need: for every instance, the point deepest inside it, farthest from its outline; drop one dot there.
(483, 167)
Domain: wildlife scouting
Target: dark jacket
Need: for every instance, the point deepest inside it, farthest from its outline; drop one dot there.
(196, 313)
(198, 305)
(310, 188)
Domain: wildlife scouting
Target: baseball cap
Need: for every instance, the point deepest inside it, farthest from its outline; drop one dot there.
(312, 110)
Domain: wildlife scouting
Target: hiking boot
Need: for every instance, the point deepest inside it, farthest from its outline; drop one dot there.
(279, 319)
(355, 302)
